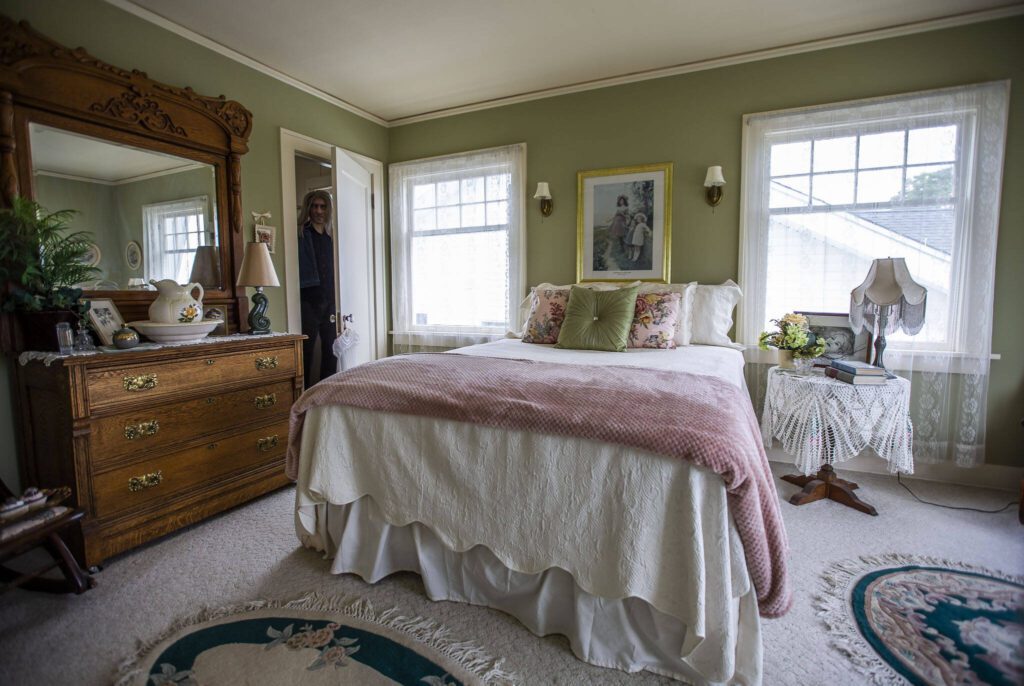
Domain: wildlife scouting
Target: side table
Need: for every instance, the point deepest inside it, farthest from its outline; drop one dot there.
(822, 421)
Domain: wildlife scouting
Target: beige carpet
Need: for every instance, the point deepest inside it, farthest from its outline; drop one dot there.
(252, 553)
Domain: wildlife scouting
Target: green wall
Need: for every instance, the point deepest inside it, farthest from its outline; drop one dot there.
(695, 120)
(124, 40)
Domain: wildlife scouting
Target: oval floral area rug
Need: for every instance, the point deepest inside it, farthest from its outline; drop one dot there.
(314, 640)
(922, 621)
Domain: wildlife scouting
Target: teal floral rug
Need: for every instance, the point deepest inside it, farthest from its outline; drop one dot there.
(922, 621)
(313, 640)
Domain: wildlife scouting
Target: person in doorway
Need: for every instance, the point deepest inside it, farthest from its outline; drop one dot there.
(316, 283)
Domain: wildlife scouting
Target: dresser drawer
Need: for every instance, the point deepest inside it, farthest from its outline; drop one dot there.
(142, 382)
(155, 480)
(162, 425)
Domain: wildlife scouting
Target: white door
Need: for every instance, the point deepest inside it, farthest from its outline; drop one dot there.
(354, 221)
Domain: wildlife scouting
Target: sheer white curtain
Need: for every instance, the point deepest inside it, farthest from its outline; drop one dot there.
(828, 189)
(172, 232)
(458, 248)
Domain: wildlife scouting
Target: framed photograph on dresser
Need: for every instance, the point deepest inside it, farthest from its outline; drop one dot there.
(624, 223)
(105, 319)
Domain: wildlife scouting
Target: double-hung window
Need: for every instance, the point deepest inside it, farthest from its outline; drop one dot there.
(458, 247)
(172, 232)
(829, 189)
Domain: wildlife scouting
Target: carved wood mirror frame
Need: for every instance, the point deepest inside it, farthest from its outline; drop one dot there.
(44, 82)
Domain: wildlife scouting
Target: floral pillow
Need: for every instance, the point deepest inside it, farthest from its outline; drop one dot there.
(654, 320)
(547, 312)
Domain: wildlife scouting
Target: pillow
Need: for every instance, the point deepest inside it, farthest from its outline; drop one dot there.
(542, 315)
(682, 336)
(655, 320)
(598, 320)
(546, 314)
(711, 313)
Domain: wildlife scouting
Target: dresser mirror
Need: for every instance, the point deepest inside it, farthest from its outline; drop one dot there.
(152, 170)
(152, 215)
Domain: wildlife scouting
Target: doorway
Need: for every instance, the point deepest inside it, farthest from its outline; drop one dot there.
(355, 184)
(314, 174)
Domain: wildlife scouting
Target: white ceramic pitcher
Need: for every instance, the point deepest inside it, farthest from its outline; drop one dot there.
(174, 304)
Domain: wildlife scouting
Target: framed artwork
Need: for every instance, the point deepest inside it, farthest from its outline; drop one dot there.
(840, 341)
(133, 255)
(624, 223)
(105, 319)
(266, 234)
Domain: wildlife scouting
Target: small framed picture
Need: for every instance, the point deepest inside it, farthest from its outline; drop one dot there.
(105, 319)
(840, 341)
(266, 234)
(133, 255)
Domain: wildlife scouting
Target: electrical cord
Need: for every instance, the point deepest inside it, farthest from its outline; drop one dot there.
(953, 507)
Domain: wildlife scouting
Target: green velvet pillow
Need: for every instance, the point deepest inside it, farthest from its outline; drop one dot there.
(598, 320)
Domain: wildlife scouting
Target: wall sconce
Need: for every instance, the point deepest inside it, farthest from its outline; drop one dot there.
(714, 182)
(544, 195)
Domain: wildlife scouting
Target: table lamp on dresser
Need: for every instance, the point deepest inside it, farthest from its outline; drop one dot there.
(258, 271)
(889, 299)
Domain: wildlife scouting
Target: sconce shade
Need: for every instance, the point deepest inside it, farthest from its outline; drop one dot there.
(257, 267)
(714, 177)
(206, 267)
(543, 193)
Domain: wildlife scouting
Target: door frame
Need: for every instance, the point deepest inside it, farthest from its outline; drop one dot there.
(291, 143)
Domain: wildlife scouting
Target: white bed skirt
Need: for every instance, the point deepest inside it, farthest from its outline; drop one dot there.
(627, 633)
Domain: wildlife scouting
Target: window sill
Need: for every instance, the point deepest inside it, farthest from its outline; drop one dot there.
(444, 339)
(897, 360)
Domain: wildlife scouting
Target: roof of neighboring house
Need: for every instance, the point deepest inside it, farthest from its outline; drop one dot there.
(931, 226)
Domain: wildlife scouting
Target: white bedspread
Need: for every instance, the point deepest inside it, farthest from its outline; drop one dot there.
(622, 523)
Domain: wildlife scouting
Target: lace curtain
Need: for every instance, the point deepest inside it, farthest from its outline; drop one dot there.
(458, 247)
(172, 233)
(828, 189)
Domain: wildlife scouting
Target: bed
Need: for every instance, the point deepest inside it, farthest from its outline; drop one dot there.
(634, 556)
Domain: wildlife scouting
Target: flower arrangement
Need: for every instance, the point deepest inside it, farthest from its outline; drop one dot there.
(793, 334)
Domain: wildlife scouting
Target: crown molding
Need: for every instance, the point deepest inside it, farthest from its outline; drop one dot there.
(686, 68)
(211, 44)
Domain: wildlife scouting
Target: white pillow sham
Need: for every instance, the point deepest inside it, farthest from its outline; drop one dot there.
(711, 314)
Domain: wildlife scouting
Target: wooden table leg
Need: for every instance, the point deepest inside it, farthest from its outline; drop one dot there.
(826, 484)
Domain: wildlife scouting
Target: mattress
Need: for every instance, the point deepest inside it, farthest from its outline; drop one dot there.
(622, 529)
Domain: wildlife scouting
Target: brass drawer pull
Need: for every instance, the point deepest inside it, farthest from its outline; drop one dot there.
(141, 483)
(210, 361)
(262, 402)
(212, 446)
(210, 401)
(267, 444)
(142, 382)
(141, 430)
(266, 362)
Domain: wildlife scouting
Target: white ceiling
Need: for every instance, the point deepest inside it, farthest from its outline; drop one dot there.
(59, 153)
(396, 59)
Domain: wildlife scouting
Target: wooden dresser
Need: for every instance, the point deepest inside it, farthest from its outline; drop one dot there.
(154, 440)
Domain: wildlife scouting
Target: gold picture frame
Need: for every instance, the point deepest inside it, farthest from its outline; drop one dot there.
(624, 223)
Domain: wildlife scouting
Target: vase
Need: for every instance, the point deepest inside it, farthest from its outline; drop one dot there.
(785, 358)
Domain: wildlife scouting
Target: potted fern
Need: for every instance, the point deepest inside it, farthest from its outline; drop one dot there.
(41, 261)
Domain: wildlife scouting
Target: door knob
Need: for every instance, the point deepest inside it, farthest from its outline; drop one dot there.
(333, 319)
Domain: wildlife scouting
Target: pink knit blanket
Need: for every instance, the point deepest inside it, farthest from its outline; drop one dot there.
(698, 418)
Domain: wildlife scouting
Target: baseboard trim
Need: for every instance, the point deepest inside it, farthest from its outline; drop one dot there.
(998, 477)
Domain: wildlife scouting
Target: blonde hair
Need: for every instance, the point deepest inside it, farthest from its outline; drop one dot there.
(308, 201)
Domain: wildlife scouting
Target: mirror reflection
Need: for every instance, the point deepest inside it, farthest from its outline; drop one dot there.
(153, 215)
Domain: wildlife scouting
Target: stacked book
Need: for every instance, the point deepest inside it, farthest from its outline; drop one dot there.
(857, 373)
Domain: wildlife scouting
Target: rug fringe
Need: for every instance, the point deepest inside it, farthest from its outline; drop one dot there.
(832, 605)
(467, 654)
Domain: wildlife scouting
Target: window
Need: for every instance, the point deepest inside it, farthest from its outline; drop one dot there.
(173, 232)
(457, 246)
(829, 189)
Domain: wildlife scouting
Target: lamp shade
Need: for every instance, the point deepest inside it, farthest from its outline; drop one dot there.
(206, 266)
(257, 267)
(888, 285)
(714, 177)
(543, 193)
